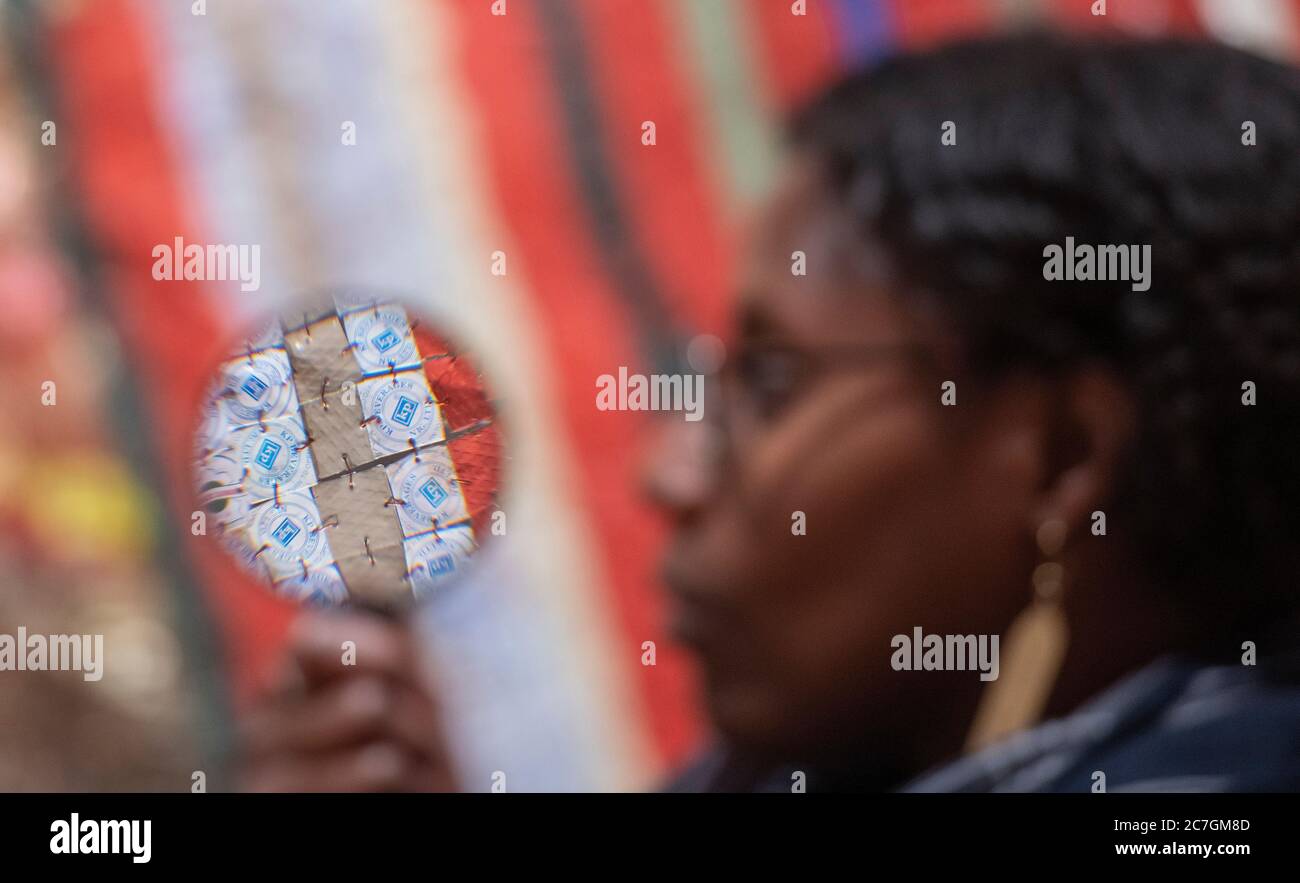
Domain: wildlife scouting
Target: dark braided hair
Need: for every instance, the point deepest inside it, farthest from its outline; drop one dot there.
(1111, 143)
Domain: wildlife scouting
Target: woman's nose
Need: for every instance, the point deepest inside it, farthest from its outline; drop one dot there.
(680, 467)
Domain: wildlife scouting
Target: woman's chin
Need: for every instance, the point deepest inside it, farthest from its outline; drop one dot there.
(750, 718)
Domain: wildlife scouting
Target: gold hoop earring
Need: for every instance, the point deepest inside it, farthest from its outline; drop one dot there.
(1035, 649)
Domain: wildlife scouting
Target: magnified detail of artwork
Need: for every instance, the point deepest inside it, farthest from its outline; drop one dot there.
(348, 453)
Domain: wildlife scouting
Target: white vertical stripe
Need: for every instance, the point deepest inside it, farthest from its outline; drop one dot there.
(555, 545)
(203, 118)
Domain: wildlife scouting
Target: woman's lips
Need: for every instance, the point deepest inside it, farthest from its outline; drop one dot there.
(698, 612)
(685, 626)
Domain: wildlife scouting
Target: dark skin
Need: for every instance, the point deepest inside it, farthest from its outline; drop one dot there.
(324, 726)
(916, 515)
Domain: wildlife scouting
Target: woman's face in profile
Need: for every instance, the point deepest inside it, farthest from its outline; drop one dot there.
(848, 505)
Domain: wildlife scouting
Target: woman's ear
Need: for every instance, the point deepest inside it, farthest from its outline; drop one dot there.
(1093, 420)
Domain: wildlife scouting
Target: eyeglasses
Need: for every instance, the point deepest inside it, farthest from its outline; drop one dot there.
(765, 377)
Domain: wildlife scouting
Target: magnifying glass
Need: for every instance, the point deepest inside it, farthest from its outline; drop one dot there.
(348, 453)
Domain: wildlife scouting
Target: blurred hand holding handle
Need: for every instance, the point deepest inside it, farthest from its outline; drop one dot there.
(352, 711)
